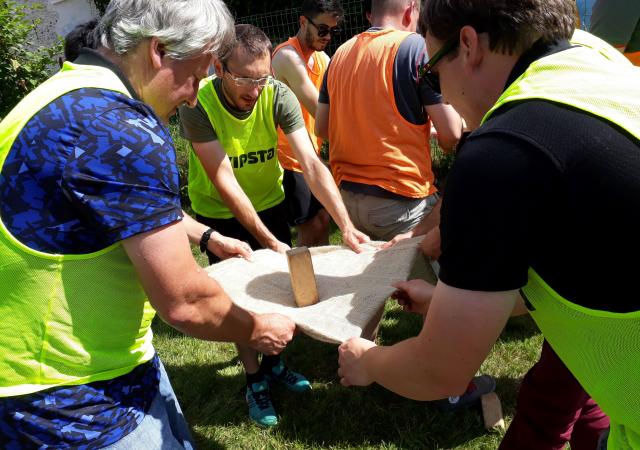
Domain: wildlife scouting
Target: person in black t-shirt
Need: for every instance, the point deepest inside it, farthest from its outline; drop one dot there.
(540, 178)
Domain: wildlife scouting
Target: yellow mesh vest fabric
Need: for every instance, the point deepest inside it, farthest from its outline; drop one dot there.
(66, 319)
(600, 348)
(250, 145)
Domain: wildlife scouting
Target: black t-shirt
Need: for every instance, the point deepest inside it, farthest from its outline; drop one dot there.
(545, 186)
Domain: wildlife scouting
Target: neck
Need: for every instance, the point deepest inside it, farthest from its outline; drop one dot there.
(388, 22)
(306, 51)
(133, 72)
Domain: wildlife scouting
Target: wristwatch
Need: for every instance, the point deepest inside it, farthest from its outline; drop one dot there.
(204, 240)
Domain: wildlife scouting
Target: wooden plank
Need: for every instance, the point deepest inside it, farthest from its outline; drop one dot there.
(303, 279)
(492, 411)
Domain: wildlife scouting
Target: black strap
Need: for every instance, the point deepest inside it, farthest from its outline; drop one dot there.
(204, 240)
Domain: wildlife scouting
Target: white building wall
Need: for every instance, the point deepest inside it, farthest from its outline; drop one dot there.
(58, 17)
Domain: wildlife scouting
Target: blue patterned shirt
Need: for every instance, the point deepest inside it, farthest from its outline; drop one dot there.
(90, 169)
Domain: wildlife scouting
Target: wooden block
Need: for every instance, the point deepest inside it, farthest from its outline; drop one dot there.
(492, 411)
(303, 279)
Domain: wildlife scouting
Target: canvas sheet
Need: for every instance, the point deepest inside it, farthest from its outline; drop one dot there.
(352, 287)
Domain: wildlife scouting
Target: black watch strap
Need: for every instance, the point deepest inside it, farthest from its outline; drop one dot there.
(204, 240)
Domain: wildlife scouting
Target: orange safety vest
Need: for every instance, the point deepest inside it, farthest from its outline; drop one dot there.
(370, 142)
(315, 71)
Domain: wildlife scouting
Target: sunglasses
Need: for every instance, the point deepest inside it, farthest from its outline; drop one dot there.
(426, 73)
(323, 29)
(248, 82)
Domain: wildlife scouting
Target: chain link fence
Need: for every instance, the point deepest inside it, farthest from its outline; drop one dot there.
(281, 25)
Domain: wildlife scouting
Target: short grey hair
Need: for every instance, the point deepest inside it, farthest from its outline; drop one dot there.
(185, 27)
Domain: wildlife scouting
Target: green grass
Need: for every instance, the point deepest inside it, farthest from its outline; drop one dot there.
(209, 381)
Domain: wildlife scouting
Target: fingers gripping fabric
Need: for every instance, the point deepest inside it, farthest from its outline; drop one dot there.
(351, 286)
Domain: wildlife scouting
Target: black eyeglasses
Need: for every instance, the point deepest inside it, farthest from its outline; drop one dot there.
(426, 73)
(323, 29)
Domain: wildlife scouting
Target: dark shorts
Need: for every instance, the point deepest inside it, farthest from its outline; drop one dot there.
(273, 218)
(302, 206)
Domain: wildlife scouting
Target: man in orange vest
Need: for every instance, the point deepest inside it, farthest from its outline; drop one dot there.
(300, 63)
(379, 121)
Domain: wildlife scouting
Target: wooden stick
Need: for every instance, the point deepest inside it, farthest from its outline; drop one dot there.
(303, 279)
(492, 411)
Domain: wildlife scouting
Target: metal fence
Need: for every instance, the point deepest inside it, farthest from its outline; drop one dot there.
(281, 25)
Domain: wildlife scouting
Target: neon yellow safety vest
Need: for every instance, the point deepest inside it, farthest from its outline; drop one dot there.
(250, 145)
(602, 349)
(66, 319)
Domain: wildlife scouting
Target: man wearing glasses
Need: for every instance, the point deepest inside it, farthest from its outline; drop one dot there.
(378, 118)
(556, 131)
(235, 179)
(300, 63)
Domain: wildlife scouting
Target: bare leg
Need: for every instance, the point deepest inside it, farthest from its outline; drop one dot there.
(315, 231)
(249, 358)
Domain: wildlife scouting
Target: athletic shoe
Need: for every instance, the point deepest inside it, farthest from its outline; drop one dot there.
(260, 407)
(293, 381)
(478, 387)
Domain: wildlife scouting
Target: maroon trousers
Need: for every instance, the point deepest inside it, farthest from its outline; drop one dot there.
(554, 409)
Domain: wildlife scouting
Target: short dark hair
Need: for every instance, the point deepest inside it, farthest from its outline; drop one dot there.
(313, 8)
(512, 25)
(252, 39)
(81, 36)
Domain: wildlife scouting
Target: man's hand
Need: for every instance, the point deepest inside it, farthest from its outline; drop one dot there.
(225, 247)
(278, 246)
(413, 295)
(396, 239)
(352, 370)
(272, 333)
(353, 238)
(430, 245)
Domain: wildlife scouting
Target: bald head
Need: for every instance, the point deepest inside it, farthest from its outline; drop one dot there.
(380, 8)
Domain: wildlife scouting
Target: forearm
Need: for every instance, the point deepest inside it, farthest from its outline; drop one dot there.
(401, 368)
(325, 190)
(203, 310)
(242, 209)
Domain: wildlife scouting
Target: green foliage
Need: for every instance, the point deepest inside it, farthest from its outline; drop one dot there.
(22, 66)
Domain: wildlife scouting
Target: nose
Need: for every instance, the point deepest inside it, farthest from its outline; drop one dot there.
(192, 100)
(255, 89)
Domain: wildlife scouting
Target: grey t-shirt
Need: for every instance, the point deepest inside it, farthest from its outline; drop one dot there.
(410, 95)
(196, 126)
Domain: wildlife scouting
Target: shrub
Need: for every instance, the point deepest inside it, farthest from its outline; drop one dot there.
(22, 66)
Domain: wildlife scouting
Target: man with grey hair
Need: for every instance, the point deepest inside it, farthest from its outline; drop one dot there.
(93, 239)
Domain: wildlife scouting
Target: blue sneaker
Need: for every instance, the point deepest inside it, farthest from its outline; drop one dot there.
(293, 381)
(260, 407)
(478, 387)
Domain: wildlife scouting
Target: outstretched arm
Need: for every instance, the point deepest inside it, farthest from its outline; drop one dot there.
(324, 187)
(218, 168)
(186, 297)
(458, 333)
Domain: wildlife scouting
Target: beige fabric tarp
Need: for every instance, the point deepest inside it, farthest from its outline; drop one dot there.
(352, 287)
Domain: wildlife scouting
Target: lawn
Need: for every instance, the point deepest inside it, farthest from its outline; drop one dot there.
(209, 382)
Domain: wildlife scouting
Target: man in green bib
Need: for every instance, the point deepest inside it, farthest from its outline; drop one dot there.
(235, 179)
(549, 172)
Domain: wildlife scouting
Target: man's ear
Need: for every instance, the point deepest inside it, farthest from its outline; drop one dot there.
(156, 52)
(470, 46)
(407, 15)
(217, 65)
